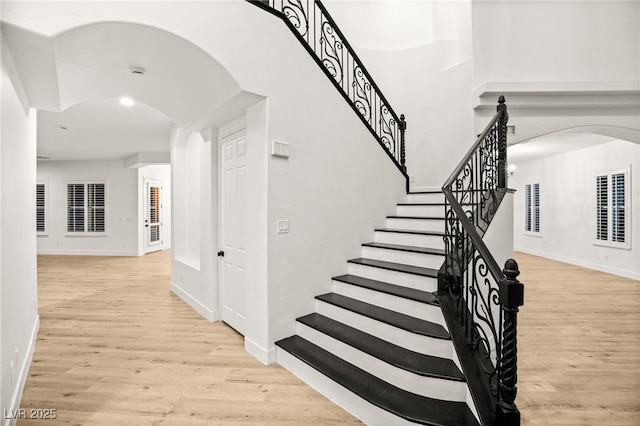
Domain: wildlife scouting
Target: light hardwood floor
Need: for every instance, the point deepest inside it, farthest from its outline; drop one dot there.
(116, 347)
(578, 346)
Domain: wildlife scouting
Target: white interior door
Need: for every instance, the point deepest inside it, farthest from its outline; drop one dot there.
(233, 232)
(153, 216)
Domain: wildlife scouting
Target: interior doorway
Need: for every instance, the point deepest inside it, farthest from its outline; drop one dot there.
(153, 216)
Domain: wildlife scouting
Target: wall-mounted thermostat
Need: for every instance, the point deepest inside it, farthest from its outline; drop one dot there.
(280, 149)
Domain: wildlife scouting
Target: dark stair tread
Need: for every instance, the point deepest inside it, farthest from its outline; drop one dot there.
(413, 249)
(420, 364)
(432, 191)
(411, 231)
(412, 407)
(398, 267)
(387, 316)
(392, 289)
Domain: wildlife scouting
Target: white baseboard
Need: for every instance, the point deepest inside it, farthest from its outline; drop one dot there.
(583, 263)
(209, 314)
(265, 356)
(88, 252)
(16, 397)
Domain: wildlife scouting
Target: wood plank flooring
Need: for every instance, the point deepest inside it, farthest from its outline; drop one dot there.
(578, 346)
(116, 347)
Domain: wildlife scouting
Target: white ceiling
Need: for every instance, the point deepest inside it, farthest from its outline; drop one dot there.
(102, 129)
(553, 144)
(76, 78)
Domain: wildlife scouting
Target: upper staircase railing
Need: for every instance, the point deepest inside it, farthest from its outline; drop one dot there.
(319, 34)
(481, 301)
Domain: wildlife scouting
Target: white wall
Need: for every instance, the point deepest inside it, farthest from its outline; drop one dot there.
(335, 188)
(419, 54)
(525, 41)
(567, 192)
(560, 64)
(121, 238)
(436, 103)
(18, 282)
(499, 236)
(384, 25)
(193, 265)
(162, 174)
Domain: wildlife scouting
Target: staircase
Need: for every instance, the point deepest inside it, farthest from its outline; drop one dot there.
(378, 344)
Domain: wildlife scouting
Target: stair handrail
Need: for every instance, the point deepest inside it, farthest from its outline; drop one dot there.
(330, 49)
(486, 298)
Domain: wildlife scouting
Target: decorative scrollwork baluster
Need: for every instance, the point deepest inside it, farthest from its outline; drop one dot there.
(362, 88)
(295, 12)
(388, 126)
(331, 51)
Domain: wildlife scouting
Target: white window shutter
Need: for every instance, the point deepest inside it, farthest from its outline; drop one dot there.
(612, 208)
(618, 208)
(86, 207)
(40, 208)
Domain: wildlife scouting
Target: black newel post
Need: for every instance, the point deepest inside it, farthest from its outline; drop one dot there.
(402, 126)
(502, 143)
(511, 298)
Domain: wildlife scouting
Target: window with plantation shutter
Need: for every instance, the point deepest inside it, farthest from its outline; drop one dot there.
(612, 205)
(41, 222)
(95, 207)
(86, 207)
(532, 208)
(602, 208)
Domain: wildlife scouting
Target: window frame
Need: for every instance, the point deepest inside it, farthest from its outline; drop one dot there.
(45, 208)
(531, 210)
(87, 208)
(609, 209)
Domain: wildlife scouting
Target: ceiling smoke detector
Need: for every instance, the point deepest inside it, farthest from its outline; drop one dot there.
(137, 70)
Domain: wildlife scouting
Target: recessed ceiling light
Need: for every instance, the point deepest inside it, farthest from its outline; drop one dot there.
(126, 101)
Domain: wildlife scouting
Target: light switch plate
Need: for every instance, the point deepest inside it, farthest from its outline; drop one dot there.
(283, 226)
(280, 149)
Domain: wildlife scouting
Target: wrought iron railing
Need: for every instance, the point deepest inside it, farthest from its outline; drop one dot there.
(319, 34)
(486, 298)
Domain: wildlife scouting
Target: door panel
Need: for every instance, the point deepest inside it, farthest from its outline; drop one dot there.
(233, 234)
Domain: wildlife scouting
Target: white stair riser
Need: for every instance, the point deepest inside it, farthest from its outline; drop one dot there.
(435, 197)
(421, 211)
(417, 240)
(409, 307)
(416, 224)
(415, 342)
(446, 390)
(423, 260)
(368, 413)
(393, 277)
